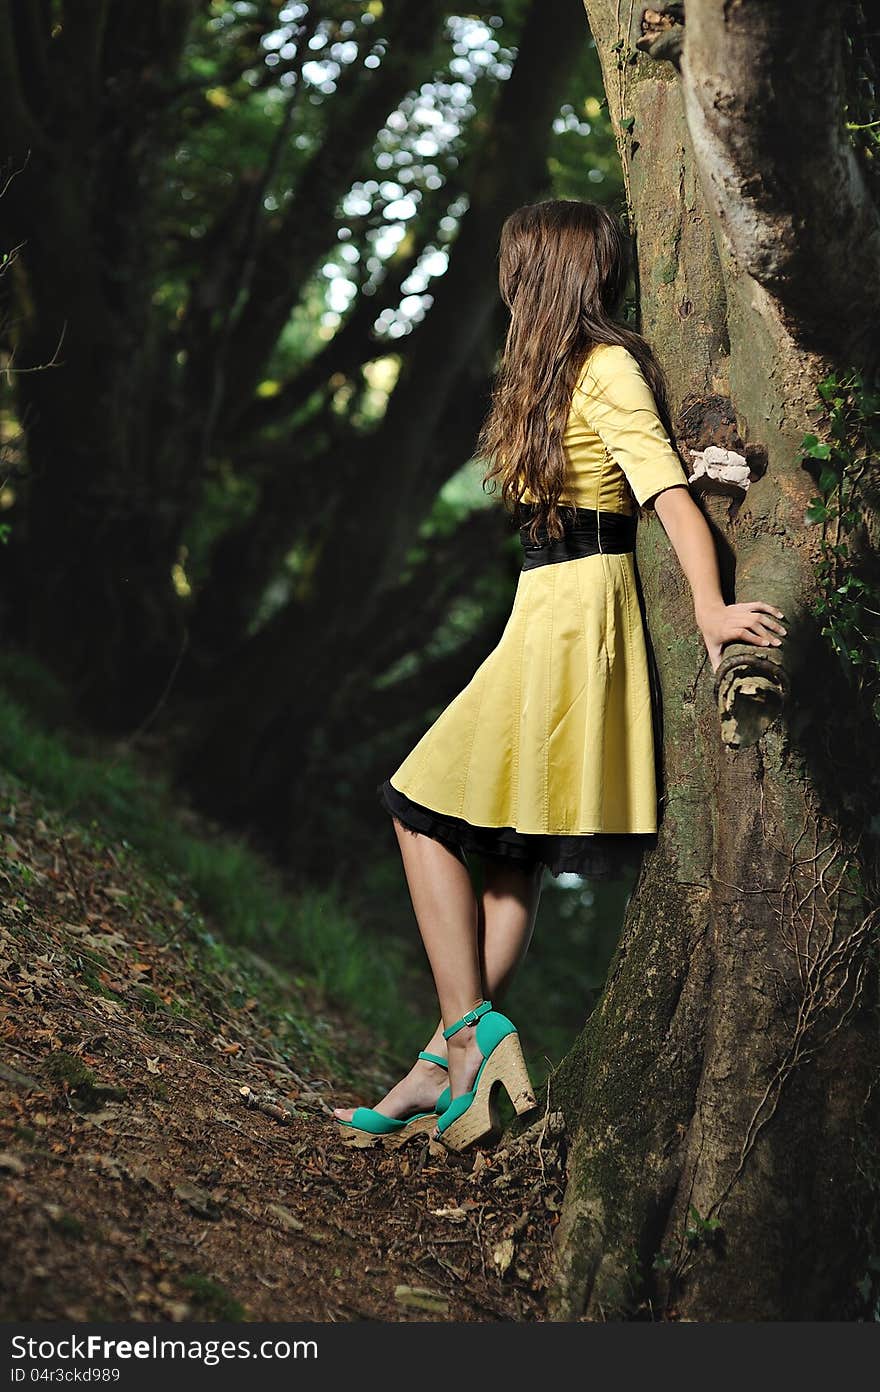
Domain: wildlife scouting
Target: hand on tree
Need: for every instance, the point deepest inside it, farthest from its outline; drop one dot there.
(739, 623)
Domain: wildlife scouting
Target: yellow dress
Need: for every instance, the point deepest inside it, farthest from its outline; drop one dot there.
(553, 735)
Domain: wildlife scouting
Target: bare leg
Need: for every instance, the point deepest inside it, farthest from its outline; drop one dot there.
(490, 937)
(508, 908)
(445, 907)
(509, 904)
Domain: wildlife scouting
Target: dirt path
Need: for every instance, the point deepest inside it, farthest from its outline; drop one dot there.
(139, 1181)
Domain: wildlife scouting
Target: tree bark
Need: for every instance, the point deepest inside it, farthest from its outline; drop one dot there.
(97, 547)
(722, 1098)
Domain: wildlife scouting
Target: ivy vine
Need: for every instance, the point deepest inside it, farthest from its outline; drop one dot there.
(845, 464)
(5, 527)
(861, 55)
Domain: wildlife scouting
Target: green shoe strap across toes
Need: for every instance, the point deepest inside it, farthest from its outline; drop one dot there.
(444, 1098)
(433, 1058)
(378, 1124)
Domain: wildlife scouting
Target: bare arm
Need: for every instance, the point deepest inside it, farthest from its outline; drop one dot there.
(750, 622)
(616, 402)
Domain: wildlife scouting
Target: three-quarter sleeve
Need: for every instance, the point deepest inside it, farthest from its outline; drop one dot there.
(614, 399)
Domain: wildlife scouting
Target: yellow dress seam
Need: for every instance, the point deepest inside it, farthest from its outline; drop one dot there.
(467, 763)
(517, 731)
(545, 815)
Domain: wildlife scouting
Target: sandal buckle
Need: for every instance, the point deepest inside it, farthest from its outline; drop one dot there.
(471, 1017)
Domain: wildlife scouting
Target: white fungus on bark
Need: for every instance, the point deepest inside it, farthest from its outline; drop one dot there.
(718, 465)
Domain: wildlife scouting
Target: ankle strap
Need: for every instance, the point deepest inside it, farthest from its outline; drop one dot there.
(433, 1058)
(470, 1018)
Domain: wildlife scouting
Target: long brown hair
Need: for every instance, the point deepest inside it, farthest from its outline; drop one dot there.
(563, 268)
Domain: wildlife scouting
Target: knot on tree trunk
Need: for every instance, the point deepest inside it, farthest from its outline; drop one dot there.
(751, 688)
(663, 33)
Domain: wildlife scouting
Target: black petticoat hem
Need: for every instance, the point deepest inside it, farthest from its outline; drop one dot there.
(601, 855)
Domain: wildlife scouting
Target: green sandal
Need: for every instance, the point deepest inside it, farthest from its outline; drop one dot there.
(369, 1127)
(473, 1116)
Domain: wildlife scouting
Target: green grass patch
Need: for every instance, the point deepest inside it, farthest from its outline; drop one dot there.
(67, 1068)
(212, 1299)
(67, 1225)
(313, 934)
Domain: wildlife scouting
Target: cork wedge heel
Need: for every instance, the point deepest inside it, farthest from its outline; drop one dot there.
(473, 1116)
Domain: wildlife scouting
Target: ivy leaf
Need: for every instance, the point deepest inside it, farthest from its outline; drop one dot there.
(828, 480)
(828, 387)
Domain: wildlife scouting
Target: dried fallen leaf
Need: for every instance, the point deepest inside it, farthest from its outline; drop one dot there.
(11, 1163)
(455, 1215)
(503, 1255)
(99, 1118)
(284, 1216)
(141, 1175)
(480, 1163)
(105, 1163)
(420, 1298)
(177, 1310)
(109, 1007)
(198, 1200)
(153, 1065)
(19, 1080)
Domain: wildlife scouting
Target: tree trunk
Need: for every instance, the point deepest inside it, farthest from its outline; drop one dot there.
(719, 1100)
(78, 116)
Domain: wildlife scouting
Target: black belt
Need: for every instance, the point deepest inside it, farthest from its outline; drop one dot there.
(587, 533)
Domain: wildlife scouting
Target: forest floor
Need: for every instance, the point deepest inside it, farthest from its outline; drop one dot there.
(166, 1146)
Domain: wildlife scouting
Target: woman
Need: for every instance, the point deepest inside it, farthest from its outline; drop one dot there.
(546, 759)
